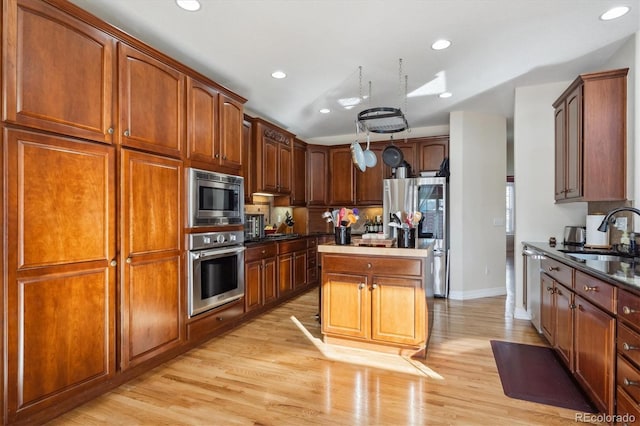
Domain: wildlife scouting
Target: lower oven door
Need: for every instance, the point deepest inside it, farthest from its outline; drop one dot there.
(216, 277)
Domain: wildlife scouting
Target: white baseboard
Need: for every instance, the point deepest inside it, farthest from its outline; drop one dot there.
(477, 294)
(521, 313)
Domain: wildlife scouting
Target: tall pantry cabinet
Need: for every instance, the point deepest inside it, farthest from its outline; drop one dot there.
(93, 142)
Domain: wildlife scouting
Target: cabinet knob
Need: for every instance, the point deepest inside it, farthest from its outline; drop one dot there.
(128, 260)
(113, 263)
(361, 286)
(572, 306)
(224, 157)
(373, 287)
(217, 156)
(553, 268)
(369, 266)
(220, 318)
(627, 310)
(628, 347)
(587, 288)
(628, 382)
(550, 289)
(127, 133)
(264, 251)
(110, 130)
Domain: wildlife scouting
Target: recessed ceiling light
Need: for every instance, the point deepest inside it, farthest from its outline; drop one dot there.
(440, 44)
(190, 5)
(278, 74)
(614, 13)
(445, 94)
(325, 111)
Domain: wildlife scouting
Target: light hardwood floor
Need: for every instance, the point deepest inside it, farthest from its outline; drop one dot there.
(275, 370)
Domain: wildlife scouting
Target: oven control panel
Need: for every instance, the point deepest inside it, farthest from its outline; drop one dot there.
(209, 240)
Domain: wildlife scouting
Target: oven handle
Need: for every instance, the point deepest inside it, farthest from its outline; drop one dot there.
(203, 254)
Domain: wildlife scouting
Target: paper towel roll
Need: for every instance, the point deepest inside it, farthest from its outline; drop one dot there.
(596, 238)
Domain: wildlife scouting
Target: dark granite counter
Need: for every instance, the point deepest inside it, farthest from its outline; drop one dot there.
(624, 273)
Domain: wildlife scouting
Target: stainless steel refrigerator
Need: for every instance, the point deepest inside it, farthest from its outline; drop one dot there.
(429, 196)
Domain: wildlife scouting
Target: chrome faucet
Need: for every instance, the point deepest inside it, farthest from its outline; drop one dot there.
(610, 219)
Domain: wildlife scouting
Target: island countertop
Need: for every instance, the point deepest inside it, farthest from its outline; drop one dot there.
(423, 249)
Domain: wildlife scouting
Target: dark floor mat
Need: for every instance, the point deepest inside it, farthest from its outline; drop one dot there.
(534, 373)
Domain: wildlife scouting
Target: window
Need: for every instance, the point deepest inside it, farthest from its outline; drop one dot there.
(510, 224)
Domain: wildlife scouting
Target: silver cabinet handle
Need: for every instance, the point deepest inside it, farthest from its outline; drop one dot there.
(361, 286)
(587, 288)
(373, 287)
(628, 347)
(217, 155)
(627, 310)
(110, 130)
(628, 382)
(113, 263)
(553, 268)
(128, 260)
(127, 133)
(369, 266)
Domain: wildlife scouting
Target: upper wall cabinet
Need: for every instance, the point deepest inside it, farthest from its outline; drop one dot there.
(299, 190)
(342, 183)
(273, 148)
(151, 99)
(214, 128)
(590, 137)
(431, 152)
(317, 174)
(58, 72)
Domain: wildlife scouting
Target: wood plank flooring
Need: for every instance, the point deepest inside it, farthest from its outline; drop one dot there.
(275, 370)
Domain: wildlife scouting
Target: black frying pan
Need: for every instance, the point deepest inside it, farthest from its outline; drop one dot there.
(392, 156)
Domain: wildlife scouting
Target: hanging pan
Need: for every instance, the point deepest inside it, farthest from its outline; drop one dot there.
(392, 156)
(357, 155)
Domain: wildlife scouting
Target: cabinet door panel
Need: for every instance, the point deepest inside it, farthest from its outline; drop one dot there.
(202, 115)
(151, 308)
(345, 305)
(369, 182)
(595, 353)
(300, 269)
(341, 177)
(564, 342)
(574, 145)
(253, 282)
(270, 280)
(65, 198)
(318, 175)
(391, 324)
(151, 203)
(285, 274)
(547, 308)
(560, 152)
(46, 88)
(269, 168)
(286, 168)
(151, 103)
(431, 154)
(231, 117)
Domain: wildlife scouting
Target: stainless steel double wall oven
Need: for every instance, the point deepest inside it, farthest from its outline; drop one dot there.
(216, 259)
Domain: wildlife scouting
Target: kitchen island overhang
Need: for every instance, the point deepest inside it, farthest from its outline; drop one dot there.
(377, 298)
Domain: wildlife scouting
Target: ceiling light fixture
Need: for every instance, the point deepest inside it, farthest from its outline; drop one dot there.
(278, 74)
(614, 13)
(325, 111)
(445, 95)
(440, 44)
(189, 5)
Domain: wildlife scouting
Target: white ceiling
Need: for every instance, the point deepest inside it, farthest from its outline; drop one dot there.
(497, 45)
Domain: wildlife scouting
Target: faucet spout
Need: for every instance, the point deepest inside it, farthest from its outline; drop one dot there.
(610, 219)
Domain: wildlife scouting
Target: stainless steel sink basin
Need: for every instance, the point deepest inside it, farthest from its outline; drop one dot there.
(600, 257)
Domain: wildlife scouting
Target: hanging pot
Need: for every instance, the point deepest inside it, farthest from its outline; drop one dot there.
(392, 156)
(357, 155)
(370, 158)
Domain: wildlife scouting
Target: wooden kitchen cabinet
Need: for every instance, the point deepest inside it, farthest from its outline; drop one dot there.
(299, 185)
(312, 260)
(61, 273)
(431, 151)
(341, 177)
(317, 175)
(364, 306)
(151, 103)
(273, 162)
(590, 138)
(44, 85)
(151, 254)
(260, 276)
(292, 266)
(564, 342)
(628, 355)
(548, 308)
(369, 183)
(214, 129)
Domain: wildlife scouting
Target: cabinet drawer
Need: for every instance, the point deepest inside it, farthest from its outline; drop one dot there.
(312, 256)
(291, 246)
(376, 265)
(558, 271)
(626, 406)
(312, 242)
(628, 378)
(628, 343)
(260, 252)
(219, 319)
(628, 307)
(601, 293)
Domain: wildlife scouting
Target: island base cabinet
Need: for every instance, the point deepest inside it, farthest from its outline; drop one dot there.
(375, 310)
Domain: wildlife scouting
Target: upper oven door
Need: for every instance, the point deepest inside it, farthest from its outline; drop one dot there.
(215, 199)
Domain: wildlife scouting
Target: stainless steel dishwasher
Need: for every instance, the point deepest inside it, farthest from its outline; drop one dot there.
(531, 283)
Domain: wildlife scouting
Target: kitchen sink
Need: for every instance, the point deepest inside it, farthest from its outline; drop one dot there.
(600, 257)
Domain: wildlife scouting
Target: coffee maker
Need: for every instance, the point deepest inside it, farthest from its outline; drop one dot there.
(253, 226)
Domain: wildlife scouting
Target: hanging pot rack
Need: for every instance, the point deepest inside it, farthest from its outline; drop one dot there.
(382, 120)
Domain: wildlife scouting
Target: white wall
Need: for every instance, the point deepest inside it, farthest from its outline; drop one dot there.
(478, 164)
(538, 217)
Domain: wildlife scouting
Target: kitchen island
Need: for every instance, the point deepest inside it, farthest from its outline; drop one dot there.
(377, 298)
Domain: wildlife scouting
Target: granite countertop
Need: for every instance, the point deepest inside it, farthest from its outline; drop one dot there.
(424, 249)
(624, 273)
